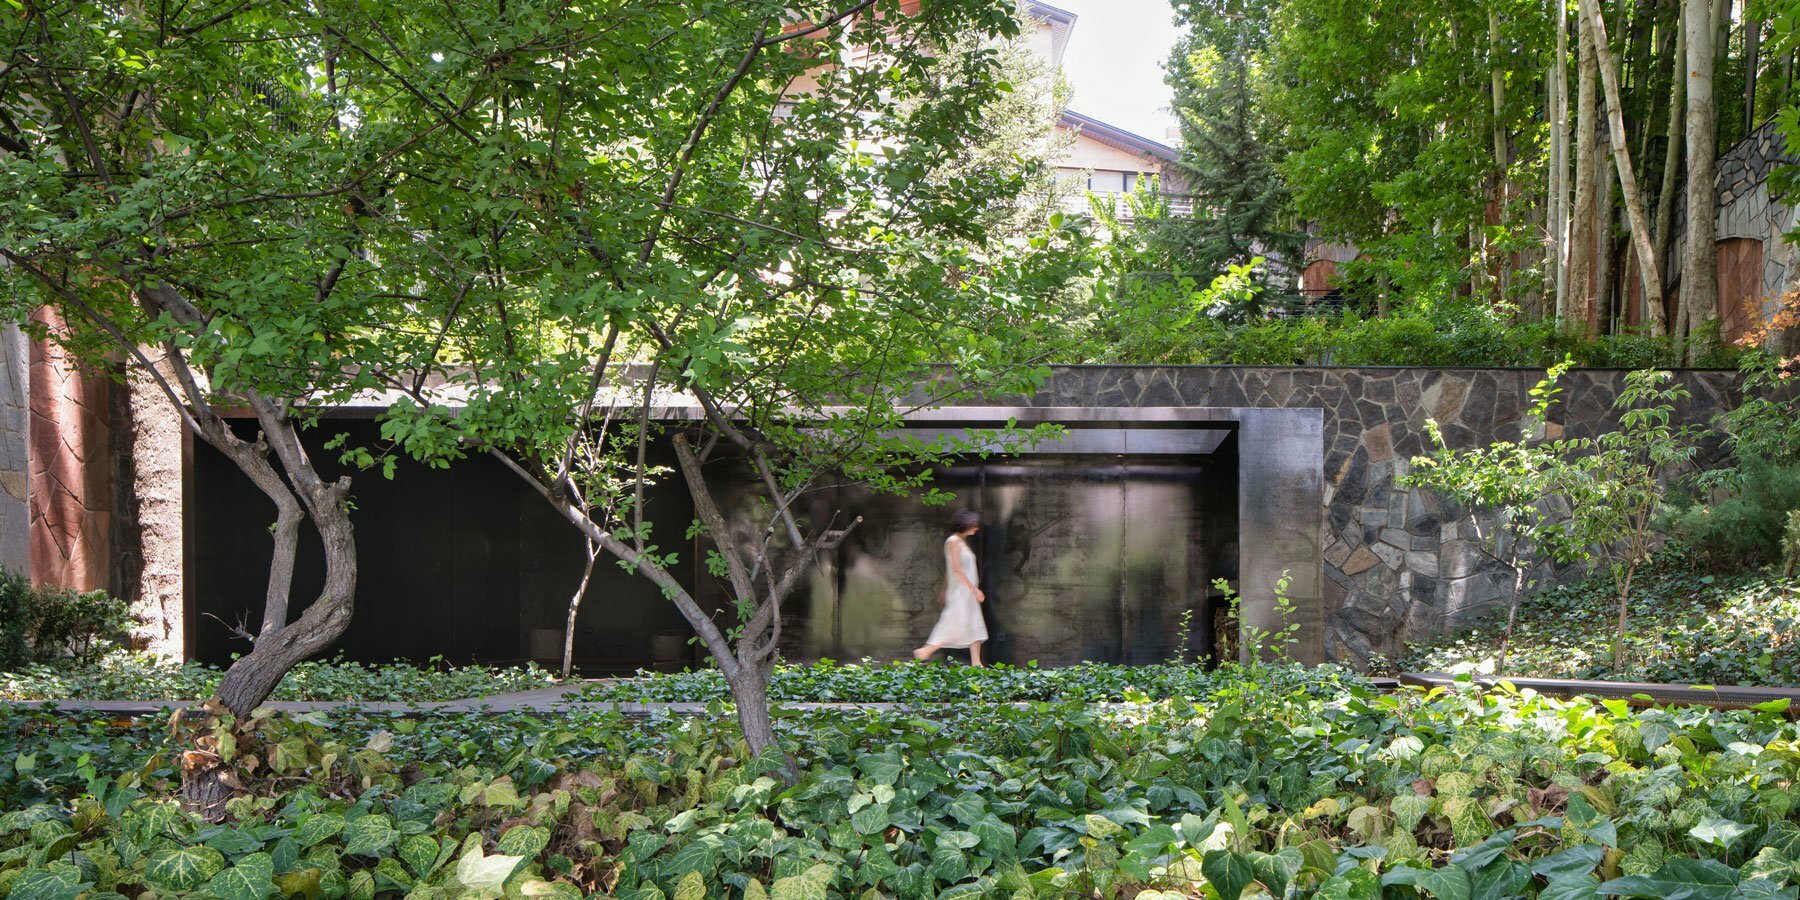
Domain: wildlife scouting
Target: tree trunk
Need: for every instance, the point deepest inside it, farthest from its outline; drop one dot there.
(1606, 248)
(1558, 219)
(1699, 262)
(750, 692)
(587, 572)
(250, 680)
(1502, 183)
(1618, 654)
(1665, 198)
(1648, 269)
(1512, 613)
(1585, 215)
(1752, 59)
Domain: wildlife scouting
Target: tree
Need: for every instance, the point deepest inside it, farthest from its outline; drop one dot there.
(179, 192)
(1649, 261)
(1699, 260)
(798, 249)
(1631, 471)
(1228, 162)
(1533, 490)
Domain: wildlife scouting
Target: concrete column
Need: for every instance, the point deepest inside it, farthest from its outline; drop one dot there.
(1281, 523)
(15, 458)
(156, 486)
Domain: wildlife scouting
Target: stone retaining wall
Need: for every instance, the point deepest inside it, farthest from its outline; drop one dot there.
(1399, 564)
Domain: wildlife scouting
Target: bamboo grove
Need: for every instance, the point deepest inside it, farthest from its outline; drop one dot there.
(1556, 160)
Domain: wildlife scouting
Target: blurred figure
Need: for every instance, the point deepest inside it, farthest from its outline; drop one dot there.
(960, 624)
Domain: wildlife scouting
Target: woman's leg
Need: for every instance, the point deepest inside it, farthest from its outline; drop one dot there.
(926, 652)
(975, 654)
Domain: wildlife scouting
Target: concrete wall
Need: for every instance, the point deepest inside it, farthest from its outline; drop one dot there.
(74, 457)
(1398, 564)
(15, 460)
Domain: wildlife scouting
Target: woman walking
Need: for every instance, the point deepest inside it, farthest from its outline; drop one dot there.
(960, 624)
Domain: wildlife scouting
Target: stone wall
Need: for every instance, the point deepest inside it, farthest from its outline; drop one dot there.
(1399, 565)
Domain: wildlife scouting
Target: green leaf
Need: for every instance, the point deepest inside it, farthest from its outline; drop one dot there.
(1356, 884)
(369, 836)
(871, 819)
(482, 874)
(1680, 879)
(1229, 873)
(420, 853)
(1575, 861)
(319, 827)
(183, 868)
(1720, 832)
(691, 887)
(523, 840)
(61, 883)
(1572, 887)
(815, 884)
(251, 879)
(1276, 870)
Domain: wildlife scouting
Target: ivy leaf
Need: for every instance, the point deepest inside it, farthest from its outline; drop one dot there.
(691, 887)
(420, 853)
(1572, 887)
(814, 884)
(1720, 832)
(870, 819)
(523, 840)
(61, 883)
(1276, 870)
(484, 875)
(1568, 864)
(1356, 884)
(369, 836)
(251, 879)
(1229, 873)
(183, 868)
(1679, 879)
(319, 827)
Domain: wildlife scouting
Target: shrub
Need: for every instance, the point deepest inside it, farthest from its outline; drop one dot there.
(43, 623)
(1744, 530)
(1691, 629)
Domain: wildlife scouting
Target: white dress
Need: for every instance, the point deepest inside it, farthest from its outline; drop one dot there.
(960, 623)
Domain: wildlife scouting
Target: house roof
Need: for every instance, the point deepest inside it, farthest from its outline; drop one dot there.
(1114, 136)
(1050, 13)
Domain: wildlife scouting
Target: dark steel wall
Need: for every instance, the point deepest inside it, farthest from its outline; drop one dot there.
(1083, 557)
(461, 563)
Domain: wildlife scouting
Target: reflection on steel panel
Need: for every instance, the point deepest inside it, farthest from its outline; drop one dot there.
(1080, 560)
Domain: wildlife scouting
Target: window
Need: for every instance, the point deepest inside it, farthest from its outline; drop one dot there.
(1112, 182)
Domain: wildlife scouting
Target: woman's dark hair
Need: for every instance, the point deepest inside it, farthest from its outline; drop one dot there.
(964, 519)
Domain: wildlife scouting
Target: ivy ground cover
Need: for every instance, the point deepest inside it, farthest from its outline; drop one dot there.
(1277, 786)
(133, 676)
(1686, 628)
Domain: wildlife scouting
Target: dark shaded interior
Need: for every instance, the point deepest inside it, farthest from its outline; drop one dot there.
(467, 563)
(1084, 556)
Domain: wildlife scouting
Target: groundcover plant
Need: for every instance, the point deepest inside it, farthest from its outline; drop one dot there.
(827, 681)
(130, 676)
(1256, 787)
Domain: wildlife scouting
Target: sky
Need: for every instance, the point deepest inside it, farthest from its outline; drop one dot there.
(1114, 63)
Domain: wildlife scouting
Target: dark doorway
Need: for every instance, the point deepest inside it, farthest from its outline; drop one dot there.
(1083, 557)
